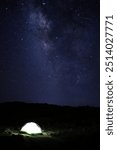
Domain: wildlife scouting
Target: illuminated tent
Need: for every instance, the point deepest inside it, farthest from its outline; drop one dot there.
(31, 128)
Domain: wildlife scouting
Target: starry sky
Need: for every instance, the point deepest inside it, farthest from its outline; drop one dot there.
(50, 51)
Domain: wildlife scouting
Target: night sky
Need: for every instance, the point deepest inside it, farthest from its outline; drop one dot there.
(50, 51)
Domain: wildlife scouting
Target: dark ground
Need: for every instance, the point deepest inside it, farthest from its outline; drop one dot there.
(75, 128)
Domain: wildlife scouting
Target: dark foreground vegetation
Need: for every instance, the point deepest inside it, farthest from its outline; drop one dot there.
(75, 128)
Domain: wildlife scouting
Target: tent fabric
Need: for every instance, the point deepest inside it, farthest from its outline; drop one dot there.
(31, 128)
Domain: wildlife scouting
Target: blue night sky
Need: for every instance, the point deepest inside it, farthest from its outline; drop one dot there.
(50, 51)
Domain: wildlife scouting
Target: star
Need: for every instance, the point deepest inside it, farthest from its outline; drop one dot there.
(22, 4)
(78, 14)
(43, 3)
(22, 39)
(57, 56)
(56, 37)
(49, 76)
(6, 8)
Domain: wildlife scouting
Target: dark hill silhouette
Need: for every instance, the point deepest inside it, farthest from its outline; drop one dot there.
(73, 126)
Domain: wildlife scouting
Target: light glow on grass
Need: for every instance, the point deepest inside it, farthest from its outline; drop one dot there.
(31, 128)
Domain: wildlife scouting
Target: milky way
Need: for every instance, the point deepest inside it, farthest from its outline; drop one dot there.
(49, 51)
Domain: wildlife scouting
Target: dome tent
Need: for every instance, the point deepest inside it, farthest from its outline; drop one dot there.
(31, 128)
